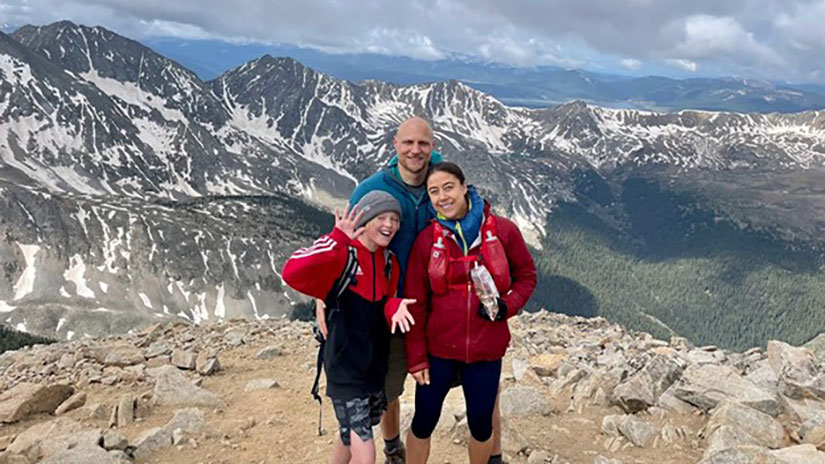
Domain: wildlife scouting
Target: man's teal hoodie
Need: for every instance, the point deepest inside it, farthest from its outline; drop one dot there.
(415, 207)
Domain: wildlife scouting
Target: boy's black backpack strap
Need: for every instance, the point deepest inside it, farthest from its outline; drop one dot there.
(347, 276)
(388, 254)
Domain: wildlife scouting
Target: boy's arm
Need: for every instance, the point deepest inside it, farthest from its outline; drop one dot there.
(314, 270)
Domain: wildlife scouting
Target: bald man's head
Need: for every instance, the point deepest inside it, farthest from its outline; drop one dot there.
(415, 123)
(413, 144)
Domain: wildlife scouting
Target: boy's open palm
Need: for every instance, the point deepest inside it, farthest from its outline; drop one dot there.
(347, 221)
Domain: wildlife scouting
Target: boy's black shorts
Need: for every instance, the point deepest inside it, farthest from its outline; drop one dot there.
(359, 415)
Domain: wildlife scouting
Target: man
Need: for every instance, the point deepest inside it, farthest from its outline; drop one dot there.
(404, 179)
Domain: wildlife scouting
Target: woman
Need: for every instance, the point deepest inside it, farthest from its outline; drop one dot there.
(454, 334)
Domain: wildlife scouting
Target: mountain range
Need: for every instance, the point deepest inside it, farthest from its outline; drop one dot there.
(536, 87)
(134, 190)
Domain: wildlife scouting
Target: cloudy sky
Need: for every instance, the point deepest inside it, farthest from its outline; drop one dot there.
(768, 39)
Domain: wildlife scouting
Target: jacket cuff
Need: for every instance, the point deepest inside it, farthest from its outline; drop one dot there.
(340, 237)
(418, 367)
(390, 308)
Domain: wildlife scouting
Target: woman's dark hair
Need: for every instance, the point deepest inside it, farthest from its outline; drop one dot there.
(448, 167)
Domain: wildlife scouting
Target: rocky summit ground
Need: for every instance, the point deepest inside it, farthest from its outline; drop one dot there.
(573, 391)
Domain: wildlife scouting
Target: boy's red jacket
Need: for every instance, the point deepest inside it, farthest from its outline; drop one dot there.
(357, 345)
(448, 325)
(314, 270)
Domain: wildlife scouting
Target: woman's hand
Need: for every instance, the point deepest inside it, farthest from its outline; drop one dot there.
(402, 319)
(422, 376)
(347, 221)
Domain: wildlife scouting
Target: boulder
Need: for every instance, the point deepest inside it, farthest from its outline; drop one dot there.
(73, 402)
(765, 430)
(184, 359)
(84, 455)
(747, 454)
(260, 384)
(524, 400)
(151, 440)
(807, 454)
(642, 389)
(25, 399)
(639, 432)
(705, 386)
(172, 388)
(122, 356)
(796, 369)
(270, 352)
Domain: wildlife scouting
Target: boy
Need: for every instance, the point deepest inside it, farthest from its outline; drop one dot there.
(355, 351)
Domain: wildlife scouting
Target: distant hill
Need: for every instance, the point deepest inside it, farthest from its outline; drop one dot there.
(540, 86)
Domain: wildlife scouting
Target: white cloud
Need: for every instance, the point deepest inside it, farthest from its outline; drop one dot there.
(683, 64)
(761, 38)
(630, 63)
(396, 42)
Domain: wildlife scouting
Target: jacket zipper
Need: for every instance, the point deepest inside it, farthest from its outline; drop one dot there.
(374, 271)
(467, 344)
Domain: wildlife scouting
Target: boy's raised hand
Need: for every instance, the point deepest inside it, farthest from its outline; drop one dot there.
(402, 319)
(347, 221)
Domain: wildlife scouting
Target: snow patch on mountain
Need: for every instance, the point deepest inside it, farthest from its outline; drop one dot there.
(25, 283)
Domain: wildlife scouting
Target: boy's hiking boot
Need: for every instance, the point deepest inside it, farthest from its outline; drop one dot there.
(396, 456)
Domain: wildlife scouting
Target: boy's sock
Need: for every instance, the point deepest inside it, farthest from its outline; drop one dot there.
(495, 459)
(393, 444)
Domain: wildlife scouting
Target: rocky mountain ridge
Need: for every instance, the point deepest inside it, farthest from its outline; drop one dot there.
(574, 390)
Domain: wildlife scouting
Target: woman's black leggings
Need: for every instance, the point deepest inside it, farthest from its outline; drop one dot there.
(479, 380)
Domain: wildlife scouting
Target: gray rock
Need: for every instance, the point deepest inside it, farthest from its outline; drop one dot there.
(178, 437)
(539, 457)
(260, 384)
(126, 410)
(73, 402)
(747, 454)
(113, 440)
(95, 411)
(642, 389)
(154, 439)
(796, 369)
(25, 399)
(172, 388)
(670, 402)
(807, 454)
(524, 400)
(639, 432)
(207, 365)
(187, 420)
(28, 441)
(727, 437)
(817, 347)
(235, 337)
(803, 410)
(706, 385)
(603, 460)
(764, 376)
(83, 455)
(269, 352)
(184, 359)
(765, 430)
(158, 348)
(123, 356)
(610, 425)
